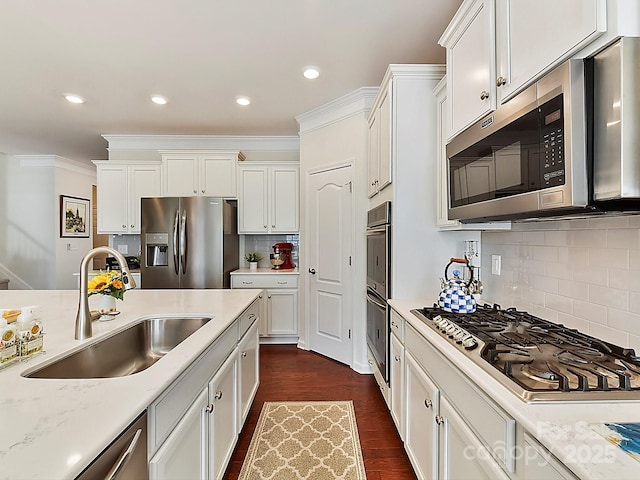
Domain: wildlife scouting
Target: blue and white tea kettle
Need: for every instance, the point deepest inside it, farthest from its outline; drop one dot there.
(456, 296)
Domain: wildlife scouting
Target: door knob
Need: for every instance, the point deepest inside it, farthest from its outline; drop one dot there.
(312, 271)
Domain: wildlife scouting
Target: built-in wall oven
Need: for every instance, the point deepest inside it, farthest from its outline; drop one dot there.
(378, 284)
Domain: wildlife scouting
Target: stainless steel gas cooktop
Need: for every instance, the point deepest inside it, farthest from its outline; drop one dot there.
(539, 360)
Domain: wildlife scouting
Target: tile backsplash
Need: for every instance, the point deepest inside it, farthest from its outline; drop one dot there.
(584, 273)
(264, 245)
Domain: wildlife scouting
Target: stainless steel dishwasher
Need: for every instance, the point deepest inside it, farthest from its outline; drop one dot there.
(125, 458)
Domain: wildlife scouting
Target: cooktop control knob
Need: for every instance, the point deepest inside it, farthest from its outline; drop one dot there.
(469, 343)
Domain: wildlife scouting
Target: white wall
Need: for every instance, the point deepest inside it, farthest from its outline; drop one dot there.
(337, 134)
(584, 273)
(32, 254)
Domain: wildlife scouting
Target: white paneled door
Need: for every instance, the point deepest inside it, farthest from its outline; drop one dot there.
(330, 229)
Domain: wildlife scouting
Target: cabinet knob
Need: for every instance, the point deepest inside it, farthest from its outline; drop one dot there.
(244, 354)
(501, 81)
(124, 226)
(484, 95)
(218, 395)
(397, 357)
(132, 226)
(209, 408)
(273, 226)
(428, 403)
(195, 191)
(439, 419)
(265, 227)
(202, 191)
(312, 271)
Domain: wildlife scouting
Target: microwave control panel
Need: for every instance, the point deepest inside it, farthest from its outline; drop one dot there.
(552, 143)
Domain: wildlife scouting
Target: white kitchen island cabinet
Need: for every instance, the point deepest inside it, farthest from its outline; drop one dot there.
(184, 452)
(120, 186)
(178, 391)
(269, 198)
(200, 173)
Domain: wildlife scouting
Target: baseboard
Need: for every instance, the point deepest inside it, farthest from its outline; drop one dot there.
(15, 282)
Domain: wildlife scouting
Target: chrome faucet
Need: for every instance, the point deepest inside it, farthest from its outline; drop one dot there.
(83, 317)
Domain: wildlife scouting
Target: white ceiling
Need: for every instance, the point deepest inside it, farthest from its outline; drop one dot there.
(200, 54)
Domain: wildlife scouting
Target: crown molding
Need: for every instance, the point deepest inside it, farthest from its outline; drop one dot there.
(357, 102)
(203, 142)
(55, 161)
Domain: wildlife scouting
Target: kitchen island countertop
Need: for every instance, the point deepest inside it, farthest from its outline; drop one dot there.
(52, 429)
(562, 427)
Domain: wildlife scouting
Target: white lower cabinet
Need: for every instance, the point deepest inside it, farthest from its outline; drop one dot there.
(248, 372)
(222, 419)
(183, 454)
(454, 430)
(396, 377)
(462, 455)
(215, 395)
(421, 434)
(279, 320)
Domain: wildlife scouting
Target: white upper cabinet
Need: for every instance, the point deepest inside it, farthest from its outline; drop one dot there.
(471, 63)
(188, 174)
(380, 141)
(268, 198)
(120, 188)
(496, 48)
(533, 37)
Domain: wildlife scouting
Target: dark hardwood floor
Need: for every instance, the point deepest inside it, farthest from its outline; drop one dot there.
(290, 374)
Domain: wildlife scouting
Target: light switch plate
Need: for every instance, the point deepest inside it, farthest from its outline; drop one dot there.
(496, 264)
(123, 249)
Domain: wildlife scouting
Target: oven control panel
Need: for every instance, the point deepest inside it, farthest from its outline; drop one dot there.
(455, 333)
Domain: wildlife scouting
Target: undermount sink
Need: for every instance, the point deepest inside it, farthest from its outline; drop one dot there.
(124, 353)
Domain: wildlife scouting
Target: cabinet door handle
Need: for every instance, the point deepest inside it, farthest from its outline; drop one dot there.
(195, 191)
(282, 283)
(501, 81)
(484, 95)
(393, 324)
(202, 191)
(397, 357)
(439, 419)
(244, 354)
(124, 226)
(209, 408)
(218, 395)
(253, 315)
(244, 282)
(312, 271)
(132, 226)
(428, 403)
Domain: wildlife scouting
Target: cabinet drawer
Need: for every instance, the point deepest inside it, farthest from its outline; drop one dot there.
(397, 325)
(172, 404)
(249, 316)
(264, 281)
(490, 423)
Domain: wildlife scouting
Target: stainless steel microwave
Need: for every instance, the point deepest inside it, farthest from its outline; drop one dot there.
(527, 158)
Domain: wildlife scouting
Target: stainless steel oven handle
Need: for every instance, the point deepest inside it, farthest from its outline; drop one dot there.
(124, 457)
(370, 299)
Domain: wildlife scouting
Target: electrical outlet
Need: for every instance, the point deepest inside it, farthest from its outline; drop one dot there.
(123, 249)
(496, 264)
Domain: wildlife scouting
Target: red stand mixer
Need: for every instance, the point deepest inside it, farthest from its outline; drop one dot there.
(281, 256)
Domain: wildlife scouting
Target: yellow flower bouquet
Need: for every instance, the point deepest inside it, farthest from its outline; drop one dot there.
(107, 283)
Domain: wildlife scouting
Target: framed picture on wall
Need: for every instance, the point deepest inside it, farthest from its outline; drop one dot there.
(75, 214)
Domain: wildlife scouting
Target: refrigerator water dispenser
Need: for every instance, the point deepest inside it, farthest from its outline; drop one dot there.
(157, 249)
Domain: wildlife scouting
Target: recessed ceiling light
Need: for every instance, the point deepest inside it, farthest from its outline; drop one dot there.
(158, 99)
(311, 72)
(73, 98)
(244, 101)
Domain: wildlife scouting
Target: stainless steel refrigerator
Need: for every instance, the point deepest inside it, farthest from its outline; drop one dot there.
(188, 242)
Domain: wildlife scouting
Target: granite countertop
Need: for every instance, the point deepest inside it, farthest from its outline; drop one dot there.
(262, 271)
(52, 429)
(563, 428)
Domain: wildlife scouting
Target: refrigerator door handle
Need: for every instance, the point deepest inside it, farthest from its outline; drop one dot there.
(176, 219)
(183, 242)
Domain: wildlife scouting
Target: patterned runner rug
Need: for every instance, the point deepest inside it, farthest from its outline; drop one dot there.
(305, 440)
